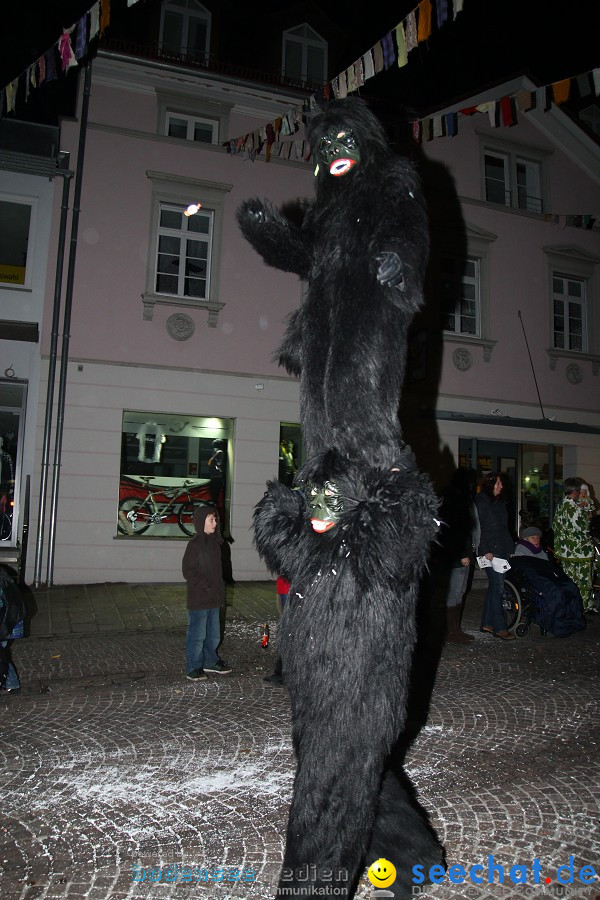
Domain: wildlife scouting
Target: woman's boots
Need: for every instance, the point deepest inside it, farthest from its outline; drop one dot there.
(453, 629)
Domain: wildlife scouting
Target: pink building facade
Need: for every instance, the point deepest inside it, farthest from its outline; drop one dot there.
(170, 380)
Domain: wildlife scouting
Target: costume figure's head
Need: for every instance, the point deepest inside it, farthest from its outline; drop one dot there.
(326, 505)
(338, 151)
(346, 138)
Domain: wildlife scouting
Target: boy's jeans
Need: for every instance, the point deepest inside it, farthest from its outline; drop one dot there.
(203, 638)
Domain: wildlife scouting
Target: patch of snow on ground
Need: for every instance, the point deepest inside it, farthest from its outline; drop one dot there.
(113, 785)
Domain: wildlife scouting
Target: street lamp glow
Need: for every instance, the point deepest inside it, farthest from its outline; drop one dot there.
(192, 209)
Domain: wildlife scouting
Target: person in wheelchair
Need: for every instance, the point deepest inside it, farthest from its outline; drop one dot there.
(530, 543)
(549, 598)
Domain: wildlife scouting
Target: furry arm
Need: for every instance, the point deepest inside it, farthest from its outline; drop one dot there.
(279, 525)
(280, 243)
(391, 527)
(289, 353)
(401, 258)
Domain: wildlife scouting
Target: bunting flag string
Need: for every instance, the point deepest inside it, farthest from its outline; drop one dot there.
(395, 47)
(392, 49)
(67, 52)
(503, 111)
(589, 222)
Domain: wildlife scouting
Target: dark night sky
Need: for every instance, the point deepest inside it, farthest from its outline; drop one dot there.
(33, 28)
(490, 41)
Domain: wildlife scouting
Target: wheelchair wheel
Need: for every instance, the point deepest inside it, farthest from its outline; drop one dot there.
(521, 630)
(511, 605)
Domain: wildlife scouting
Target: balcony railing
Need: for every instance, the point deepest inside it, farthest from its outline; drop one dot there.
(204, 62)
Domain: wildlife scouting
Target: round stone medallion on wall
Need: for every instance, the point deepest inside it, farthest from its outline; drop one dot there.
(462, 359)
(180, 327)
(574, 373)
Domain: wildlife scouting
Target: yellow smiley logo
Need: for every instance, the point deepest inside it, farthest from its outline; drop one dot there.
(381, 873)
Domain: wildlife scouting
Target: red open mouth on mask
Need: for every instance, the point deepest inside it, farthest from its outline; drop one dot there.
(341, 166)
(320, 526)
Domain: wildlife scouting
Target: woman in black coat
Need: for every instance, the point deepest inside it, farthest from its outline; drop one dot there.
(495, 541)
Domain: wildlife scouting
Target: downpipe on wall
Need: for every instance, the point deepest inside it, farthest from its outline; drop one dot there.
(64, 359)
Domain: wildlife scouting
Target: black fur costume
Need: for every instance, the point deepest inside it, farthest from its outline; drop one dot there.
(348, 629)
(348, 339)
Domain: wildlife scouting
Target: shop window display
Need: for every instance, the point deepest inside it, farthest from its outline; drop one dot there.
(291, 454)
(169, 464)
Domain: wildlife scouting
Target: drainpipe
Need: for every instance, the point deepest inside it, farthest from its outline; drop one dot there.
(551, 477)
(64, 359)
(39, 545)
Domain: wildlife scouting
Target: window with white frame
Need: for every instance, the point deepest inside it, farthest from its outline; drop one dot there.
(304, 55)
(572, 292)
(191, 128)
(460, 295)
(569, 312)
(462, 261)
(513, 178)
(185, 29)
(184, 250)
(192, 117)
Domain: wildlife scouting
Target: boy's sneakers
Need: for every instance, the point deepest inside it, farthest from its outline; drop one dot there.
(196, 675)
(219, 668)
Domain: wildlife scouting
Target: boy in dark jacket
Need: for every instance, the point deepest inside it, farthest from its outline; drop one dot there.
(202, 571)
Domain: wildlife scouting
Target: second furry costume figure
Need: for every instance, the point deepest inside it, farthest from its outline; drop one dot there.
(353, 537)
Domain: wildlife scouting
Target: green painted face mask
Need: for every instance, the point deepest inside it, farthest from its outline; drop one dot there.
(338, 152)
(326, 505)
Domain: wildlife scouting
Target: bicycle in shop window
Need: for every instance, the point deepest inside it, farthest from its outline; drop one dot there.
(161, 504)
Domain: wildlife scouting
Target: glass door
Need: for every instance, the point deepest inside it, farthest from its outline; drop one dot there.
(13, 395)
(535, 473)
(541, 483)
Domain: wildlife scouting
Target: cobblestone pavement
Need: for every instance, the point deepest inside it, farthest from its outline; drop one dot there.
(112, 763)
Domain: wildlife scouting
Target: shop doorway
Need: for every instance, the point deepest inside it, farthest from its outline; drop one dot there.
(535, 473)
(13, 397)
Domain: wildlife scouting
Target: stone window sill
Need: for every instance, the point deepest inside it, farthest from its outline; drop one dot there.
(469, 340)
(213, 307)
(574, 356)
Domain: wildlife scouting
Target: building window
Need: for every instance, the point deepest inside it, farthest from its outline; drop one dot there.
(462, 286)
(170, 464)
(191, 128)
(569, 310)
(572, 296)
(304, 55)
(460, 295)
(513, 180)
(187, 117)
(184, 251)
(185, 30)
(514, 175)
(15, 229)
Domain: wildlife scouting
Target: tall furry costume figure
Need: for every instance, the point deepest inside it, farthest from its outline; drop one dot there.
(353, 536)
(362, 248)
